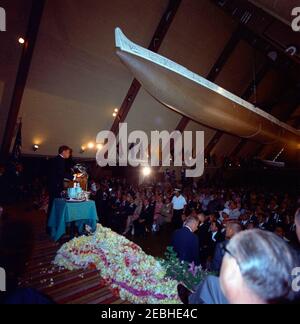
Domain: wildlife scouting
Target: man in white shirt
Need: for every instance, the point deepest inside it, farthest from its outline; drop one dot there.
(178, 203)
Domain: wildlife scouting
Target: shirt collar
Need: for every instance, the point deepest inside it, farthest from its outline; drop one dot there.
(188, 228)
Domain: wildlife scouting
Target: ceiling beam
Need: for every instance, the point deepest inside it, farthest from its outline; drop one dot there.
(259, 23)
(184, 121)
(214, 141)
(284, 111)
(22, 74)
(291, 102)
(239, 147)
(154, 46)
(255, 24)
(225, 55)
(260, 75)
(258, 150)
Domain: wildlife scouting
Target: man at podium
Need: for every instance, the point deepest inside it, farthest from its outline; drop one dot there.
(58, 174)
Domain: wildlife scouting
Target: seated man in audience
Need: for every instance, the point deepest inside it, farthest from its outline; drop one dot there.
(253, 272)
(232, 229)
(145, 217)
(186, 243)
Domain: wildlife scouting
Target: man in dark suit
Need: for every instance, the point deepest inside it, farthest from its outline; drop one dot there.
(145, 218)
(232, 229)
(204, 237)
(186, 243)
(57, 175)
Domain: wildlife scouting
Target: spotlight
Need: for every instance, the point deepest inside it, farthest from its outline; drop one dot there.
(114, 114)
(21, 40)
(116, 110)
(82, 149)
(35, 147)
(146, 171)
(91, 145)
(99, 147)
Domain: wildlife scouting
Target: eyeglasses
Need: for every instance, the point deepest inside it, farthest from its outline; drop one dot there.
(225, 250)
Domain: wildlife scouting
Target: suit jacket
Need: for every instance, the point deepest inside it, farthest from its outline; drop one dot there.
(57, 175)
(203, 235)
(147, 214)
(218, 256)
(186, 245)
(219, 237)
(208, 292)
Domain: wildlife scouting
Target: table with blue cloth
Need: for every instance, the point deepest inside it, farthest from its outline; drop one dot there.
(63, 213)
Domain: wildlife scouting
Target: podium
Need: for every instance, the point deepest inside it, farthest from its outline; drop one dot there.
(83, 182)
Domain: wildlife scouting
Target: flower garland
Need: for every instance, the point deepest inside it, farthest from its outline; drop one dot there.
(132, 275)
(186, 273)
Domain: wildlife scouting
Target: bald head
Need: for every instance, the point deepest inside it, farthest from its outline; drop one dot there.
(232, 229)
(192, 222)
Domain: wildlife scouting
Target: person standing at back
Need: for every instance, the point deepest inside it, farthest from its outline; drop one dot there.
(178, 204)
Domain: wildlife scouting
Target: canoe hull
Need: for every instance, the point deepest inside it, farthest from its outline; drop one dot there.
(193, 96)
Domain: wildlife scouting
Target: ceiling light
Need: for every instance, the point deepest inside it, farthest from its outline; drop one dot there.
(146, 171)
(35, 147)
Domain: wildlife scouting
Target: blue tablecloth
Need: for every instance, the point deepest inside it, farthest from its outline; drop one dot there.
(63, 213)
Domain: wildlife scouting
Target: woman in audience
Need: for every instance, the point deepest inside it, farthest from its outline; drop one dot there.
(131, 218)
(166, 212)
(157, 218)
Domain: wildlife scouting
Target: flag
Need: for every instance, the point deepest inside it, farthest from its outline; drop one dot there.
(16, 152)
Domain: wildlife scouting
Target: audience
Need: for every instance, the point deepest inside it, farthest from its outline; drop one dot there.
(240, 232)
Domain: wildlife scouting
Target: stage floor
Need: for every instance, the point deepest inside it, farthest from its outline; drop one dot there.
(27, 254)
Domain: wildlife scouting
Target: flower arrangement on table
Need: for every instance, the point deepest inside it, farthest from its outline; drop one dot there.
(132, 274)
